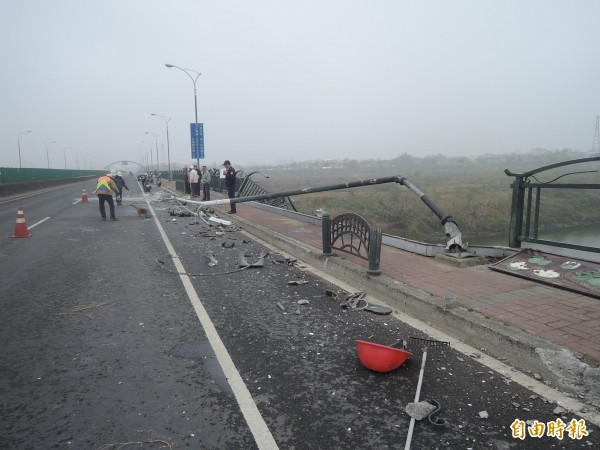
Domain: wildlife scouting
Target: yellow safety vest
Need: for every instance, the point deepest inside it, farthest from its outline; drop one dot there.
(103, 184)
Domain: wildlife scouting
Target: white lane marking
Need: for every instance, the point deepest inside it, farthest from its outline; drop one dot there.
(75, 202)
(37, 223)
(262, 435)
(506, 371)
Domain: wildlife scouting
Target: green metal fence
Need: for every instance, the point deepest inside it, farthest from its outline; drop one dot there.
(11, 175)
(525, 210)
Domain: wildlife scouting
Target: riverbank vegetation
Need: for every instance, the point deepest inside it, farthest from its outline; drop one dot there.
(475, 191)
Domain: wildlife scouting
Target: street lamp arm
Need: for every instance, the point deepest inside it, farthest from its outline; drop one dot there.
(186, 72)
(258, 171)
(165, 118)
(19, 145)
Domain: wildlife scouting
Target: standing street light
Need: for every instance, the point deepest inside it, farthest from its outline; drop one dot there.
(47, 156)
(187, 72)
(166, 119)
(65, 153)
(150, 148)
(144, 154)
(84, 160)
(19, 145)
(156, 143)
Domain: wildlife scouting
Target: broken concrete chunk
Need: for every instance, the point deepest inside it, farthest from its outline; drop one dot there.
(303, 302)
(483, 414)
(559, 410)
(419, 410)
(220, 221)
(379, 309)
(212, 260)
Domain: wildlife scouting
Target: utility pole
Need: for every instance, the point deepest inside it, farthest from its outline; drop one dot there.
(596, 142)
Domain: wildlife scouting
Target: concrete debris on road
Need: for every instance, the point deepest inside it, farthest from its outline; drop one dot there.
(355, 301)
(179, 212)
(220, 221)
(280, 259)
(210, 255)
(379, 309)
(559, 410)
(483, 414)
(419, 411)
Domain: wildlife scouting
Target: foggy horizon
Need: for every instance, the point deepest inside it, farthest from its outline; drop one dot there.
(295, 81)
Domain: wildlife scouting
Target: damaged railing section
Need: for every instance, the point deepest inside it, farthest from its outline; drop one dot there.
(352, 234)
(528, 209)
(454, 244)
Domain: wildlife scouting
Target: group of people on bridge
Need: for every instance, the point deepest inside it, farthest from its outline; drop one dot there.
(200, 179)
(194, 180)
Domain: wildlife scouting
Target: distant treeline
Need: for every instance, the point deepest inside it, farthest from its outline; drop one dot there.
(525, 161)
(476, 191)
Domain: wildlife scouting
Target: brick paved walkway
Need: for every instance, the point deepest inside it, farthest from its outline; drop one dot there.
(565, 318)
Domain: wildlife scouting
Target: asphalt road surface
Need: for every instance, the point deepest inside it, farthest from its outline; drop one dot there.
(126, 334)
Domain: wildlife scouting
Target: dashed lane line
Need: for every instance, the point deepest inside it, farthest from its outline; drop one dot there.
(262, 435)
(37, 223)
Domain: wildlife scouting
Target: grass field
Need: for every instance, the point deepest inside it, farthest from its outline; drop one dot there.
(476, 193)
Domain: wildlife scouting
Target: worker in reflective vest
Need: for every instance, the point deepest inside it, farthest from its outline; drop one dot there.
(105, 188)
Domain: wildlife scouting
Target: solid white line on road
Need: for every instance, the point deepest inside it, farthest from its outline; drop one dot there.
(37, 223)
(506, 371)
(262, 435)
(76, 201)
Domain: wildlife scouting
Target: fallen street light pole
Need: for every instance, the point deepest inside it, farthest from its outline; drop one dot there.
(450, 227)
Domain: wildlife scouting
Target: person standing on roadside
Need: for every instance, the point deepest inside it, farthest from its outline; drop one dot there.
(194, 179)
(186, 180)
(230, 174)
(205, 182)
(197, 193)
(105, 188)
(120, 182)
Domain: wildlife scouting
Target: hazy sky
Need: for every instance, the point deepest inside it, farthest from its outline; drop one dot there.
(295, 80)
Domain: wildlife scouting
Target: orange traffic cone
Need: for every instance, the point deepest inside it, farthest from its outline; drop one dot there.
(84, 196)
(21, 230)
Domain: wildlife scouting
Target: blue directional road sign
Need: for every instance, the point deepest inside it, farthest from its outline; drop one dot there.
(197, 133)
